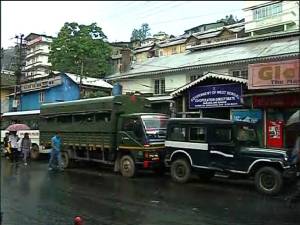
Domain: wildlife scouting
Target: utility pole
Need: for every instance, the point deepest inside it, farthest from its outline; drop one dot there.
(80, 79)
(18, 71)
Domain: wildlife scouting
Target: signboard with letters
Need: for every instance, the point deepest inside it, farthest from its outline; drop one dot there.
(40, 84)
(215, 96)
(280, 74)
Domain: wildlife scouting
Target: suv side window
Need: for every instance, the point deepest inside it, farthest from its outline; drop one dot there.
(177, 134)
(221, 134)
(197, 134)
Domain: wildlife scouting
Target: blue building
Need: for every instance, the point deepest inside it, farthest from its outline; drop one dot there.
(55, 87)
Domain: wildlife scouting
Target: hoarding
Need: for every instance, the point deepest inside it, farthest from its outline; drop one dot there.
(275, 133)
(280, 74)
(215, 96)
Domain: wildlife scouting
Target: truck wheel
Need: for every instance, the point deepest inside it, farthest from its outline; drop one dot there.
(65, 160)
(268, 180)
(180, 170)
(127, 166)
(35, 152)
(206, 175)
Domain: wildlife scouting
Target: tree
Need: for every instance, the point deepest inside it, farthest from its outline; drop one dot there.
(81, 49)
(141, 33)
(228, 20)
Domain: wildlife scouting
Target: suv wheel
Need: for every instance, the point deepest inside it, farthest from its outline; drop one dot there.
(268, 180)
(180, 170)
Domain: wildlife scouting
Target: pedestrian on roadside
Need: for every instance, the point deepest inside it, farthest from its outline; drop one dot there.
(13, 141)
(295, 159)
(6, 145)
(25, 147)
(55, 155)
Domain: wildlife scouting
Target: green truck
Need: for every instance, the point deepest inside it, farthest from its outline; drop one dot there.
(117, 130)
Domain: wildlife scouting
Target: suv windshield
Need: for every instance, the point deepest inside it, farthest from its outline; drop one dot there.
(247, 135)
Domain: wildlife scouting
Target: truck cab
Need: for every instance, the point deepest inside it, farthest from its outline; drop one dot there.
(208, 146)
(142, 136)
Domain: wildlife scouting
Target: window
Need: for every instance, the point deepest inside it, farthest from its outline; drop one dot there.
(240, 73)
(84, 117)
(197, 134)
(174, 50)
(222, 134)
(42, 96)
(177, 134)
(194, 77)
(64, 119)
(159, 86)
(267, 11)
(161, 53)
(105, 117)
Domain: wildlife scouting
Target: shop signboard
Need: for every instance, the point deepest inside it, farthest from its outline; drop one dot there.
(280, 74)
(247, 115)
(275, 133)
(215, 96)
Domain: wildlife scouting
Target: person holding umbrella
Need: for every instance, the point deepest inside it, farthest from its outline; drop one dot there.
(13, 141)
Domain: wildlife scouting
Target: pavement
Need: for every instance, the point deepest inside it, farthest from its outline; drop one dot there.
(32, 195)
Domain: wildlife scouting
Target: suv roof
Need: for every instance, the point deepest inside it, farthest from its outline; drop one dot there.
(205, 121)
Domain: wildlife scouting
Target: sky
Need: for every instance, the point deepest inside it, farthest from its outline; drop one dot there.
(116, 18)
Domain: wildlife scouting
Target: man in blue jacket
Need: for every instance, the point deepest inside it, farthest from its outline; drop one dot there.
(55, 157)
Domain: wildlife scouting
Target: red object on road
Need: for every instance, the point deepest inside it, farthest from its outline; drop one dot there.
(78, 220)
(17, 126)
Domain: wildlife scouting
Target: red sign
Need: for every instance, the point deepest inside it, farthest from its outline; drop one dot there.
(277, 101)
(275, 134)
(281, 74)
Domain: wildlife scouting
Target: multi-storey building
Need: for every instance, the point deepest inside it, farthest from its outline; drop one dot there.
(37, 64)
(263, 17)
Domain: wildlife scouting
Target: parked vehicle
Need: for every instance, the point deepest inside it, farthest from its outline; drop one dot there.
(207, 146)
(115, 130)
(31, 119)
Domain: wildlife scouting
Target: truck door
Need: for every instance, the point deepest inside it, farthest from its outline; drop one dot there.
(222, 149)
(131, 134)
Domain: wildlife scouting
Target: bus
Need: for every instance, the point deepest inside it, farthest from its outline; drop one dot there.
(30, 118)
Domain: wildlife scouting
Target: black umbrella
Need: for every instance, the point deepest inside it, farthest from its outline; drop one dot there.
(294, 120)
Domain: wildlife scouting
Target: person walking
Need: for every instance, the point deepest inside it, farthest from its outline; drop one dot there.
(55, 155)
(25, 147)
(295, 159)
(13, 141)
(6, 145)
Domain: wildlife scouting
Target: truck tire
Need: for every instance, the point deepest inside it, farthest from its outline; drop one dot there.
(180, 170)
(127, 166)
(268, 180)
(65, 159)
(35, 152)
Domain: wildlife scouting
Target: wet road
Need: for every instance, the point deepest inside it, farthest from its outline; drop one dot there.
(34, 196)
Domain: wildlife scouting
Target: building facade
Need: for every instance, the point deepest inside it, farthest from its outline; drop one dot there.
(36, 60)
(55, 87)
(263, 17)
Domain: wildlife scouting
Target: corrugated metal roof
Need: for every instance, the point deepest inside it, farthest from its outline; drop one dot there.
(251, 51)
(172, 42)
(206, 76)
(90, 81)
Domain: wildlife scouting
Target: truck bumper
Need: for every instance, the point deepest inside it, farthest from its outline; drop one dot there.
(150, 164)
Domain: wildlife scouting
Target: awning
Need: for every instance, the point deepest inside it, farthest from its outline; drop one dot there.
(206, 76)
